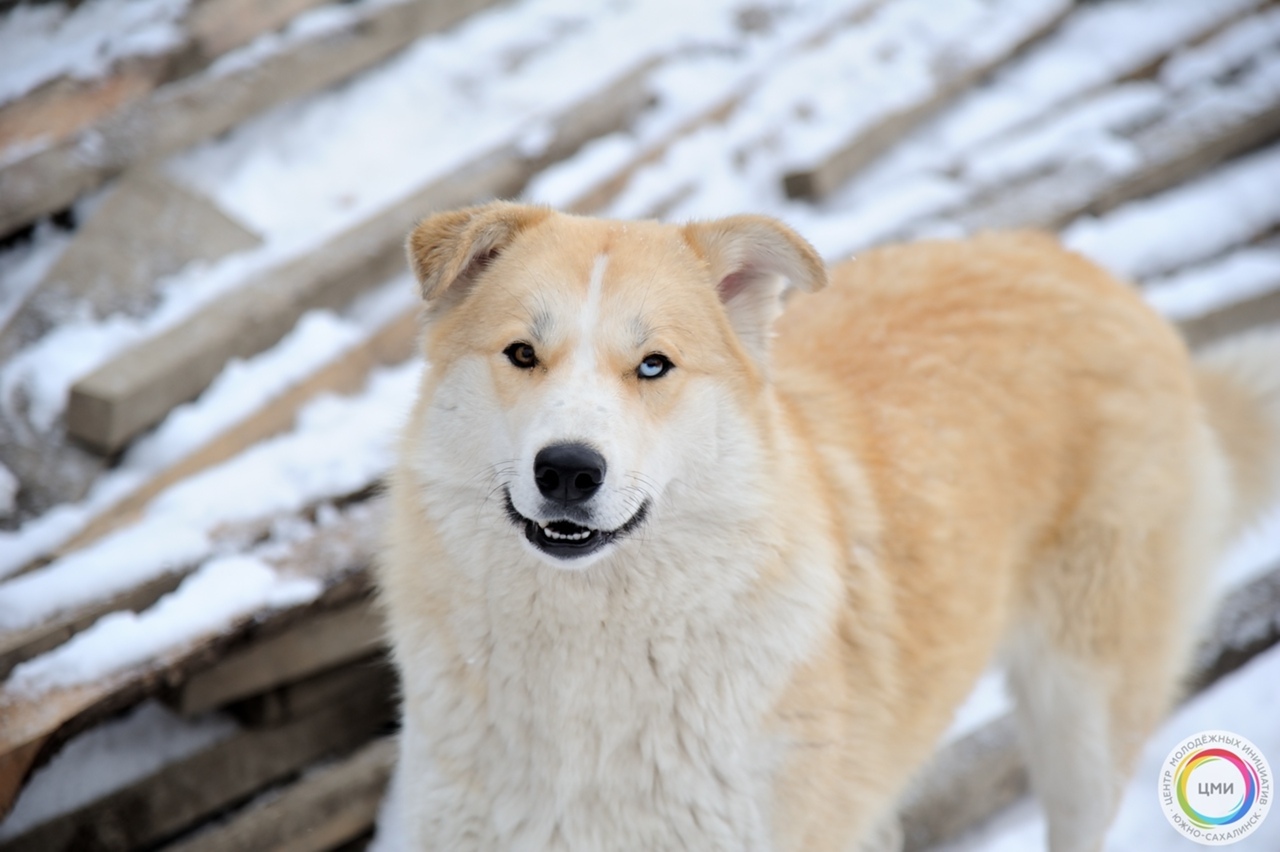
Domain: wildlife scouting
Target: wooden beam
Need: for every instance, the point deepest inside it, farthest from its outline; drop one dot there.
(345, 373)
(201, 105)
(302, 698)
(1195, 132)
(136, 389)
(968, 780)
(195, 788)
(324, 809)
(220, 26)
(952, 71)
(117, 253)
(1232, 319)
(312, 646)
(35, 725)
(17, 646)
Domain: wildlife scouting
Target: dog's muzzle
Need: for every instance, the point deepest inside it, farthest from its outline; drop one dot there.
(565, 539)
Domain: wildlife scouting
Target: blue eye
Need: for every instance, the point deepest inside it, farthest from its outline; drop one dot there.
(654, 366)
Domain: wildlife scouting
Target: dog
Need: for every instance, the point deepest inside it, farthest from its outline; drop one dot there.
(690, 549)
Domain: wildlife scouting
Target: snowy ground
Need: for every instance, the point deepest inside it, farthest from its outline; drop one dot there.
(300, 172)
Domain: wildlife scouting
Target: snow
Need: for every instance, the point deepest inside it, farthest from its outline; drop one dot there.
(110, 757)
(42, 42)
(1240, 275)
(310, 24)
(1243, 702)
(223, 591)
(24, 266)
(35, 382)
(1084, 129)
(902, 56)
(1049, 109)
(238, 391)
(281, 475)
(1101, 43)
(317, 164)
(8, 491)
(1233, 47)
(1186, 225)
(989, 699)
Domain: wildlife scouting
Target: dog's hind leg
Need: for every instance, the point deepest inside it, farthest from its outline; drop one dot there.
(1094, 662)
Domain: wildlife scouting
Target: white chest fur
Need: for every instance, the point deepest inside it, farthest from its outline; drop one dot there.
(620, 708)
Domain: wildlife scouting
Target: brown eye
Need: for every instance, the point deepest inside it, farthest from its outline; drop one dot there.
(521, 355)
(654, 366)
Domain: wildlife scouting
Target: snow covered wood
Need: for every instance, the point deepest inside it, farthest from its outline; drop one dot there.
(180, 113)
(116, 255)
(194, 788)
(344, 373)
(1157, 142)
(312, 646)
(906, 78)
(325, 808)
(177, 643)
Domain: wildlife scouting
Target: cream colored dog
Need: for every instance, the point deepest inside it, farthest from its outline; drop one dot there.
(663, 574)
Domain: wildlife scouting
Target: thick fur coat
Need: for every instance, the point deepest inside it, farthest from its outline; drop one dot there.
(806, 532)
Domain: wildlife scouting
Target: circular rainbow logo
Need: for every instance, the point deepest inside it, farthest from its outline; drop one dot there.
(1216, 788)
(1206, 758)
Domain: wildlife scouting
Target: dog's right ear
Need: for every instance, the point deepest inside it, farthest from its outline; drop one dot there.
(448, 250)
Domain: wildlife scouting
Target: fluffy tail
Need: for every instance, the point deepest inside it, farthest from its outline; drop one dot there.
(1239, 383)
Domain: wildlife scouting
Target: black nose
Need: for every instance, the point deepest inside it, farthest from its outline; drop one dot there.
(569, 473)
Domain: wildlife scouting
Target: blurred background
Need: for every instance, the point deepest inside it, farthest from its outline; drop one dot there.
(207, 330)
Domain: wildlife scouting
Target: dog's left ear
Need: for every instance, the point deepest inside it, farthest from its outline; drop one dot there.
(753, 259)
(449, 251)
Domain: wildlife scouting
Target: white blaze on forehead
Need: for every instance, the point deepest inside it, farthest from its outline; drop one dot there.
(588, 320)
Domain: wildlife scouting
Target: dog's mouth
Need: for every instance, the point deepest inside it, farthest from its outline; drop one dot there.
(568, 540)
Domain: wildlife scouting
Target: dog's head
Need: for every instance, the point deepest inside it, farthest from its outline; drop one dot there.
(585, 374)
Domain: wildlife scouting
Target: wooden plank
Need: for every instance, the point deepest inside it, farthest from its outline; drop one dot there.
(345, 373)
(189, 790)
(391, 344)
(1232, 319)
(324, 809)
(34, 726)
(304, 697)
(18, 646)
(312, 646)
(219, 26)
(201, 105)
(952, 71)
(973, 777)
(1194, 132)
(64, 107)
(139, 387)
(967, 781)
(117, 254)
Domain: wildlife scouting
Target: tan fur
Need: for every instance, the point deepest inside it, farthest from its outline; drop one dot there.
(955, 451)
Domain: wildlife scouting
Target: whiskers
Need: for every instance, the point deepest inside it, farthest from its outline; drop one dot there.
(494, 479)
(641, 490)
